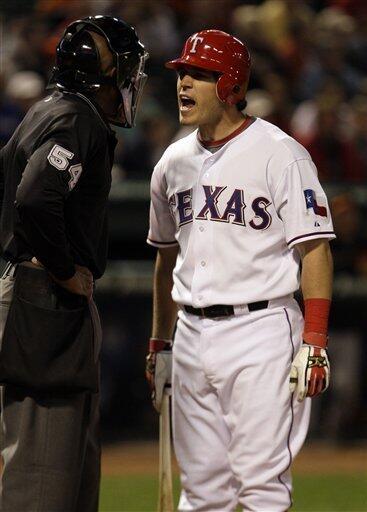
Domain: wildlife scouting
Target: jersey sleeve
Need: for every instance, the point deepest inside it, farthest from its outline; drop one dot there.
(302, 205)
(162, 227)
(53, 170)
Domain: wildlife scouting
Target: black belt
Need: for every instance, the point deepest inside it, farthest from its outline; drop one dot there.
(223, 309)
(11, 269)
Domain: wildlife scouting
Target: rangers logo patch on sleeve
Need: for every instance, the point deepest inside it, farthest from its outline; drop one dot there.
(311, 202)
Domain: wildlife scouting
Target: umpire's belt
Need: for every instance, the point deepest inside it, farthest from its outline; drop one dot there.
(223, 310)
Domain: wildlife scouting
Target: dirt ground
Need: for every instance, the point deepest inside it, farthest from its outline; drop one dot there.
(140, 458)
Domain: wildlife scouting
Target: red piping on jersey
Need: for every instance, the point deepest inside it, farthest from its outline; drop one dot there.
(215, 143)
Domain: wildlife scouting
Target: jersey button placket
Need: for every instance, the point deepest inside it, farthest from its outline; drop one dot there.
(201, 232)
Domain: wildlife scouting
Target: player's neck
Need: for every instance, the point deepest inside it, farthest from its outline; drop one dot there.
(228, 124)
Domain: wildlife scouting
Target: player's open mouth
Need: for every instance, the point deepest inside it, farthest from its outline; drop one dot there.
(186, 103)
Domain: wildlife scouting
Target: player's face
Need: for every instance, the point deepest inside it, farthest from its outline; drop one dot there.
(198, 103)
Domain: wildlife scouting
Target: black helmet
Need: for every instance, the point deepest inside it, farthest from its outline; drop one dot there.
(78, 66)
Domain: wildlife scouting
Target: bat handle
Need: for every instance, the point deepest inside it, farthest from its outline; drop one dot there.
(165, 496)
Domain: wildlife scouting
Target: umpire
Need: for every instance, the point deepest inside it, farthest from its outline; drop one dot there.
(55, 180)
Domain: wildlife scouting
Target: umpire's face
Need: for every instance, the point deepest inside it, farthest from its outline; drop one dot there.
(108, 96)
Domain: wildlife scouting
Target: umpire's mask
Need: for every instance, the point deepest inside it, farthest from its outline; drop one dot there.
(78, 66)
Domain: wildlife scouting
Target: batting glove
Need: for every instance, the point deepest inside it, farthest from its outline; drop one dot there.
(158, 369)
(310, 372)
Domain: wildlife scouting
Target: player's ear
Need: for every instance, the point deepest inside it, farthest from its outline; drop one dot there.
(234, 95)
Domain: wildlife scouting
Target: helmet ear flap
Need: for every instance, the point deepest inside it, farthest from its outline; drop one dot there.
(224, 87)
(229, 92)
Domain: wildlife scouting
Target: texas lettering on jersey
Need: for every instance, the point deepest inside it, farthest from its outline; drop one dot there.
(232, 211)
(237, 215)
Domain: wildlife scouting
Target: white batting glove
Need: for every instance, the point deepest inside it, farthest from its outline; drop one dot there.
(310, 372)
(158, 369)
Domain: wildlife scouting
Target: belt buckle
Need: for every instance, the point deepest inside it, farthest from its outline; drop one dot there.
(219, 310)
(208, 312)
(229, 310)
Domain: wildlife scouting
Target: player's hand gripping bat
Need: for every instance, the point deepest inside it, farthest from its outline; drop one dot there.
(165, 494)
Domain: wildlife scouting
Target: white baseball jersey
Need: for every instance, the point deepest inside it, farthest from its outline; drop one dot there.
(237, 215)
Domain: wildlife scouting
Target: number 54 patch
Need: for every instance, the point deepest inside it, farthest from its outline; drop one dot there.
(59, 158)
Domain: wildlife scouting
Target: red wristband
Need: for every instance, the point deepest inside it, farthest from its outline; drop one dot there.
(316, 321)
(157, 344)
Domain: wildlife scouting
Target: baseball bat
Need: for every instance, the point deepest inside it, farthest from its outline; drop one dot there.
(165, 493)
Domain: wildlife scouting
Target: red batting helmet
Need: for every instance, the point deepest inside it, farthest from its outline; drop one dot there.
(218, 51)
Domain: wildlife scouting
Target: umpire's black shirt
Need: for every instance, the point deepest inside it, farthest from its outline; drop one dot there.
(55, 179)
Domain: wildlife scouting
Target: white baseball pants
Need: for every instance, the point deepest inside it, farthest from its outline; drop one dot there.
(236, 425)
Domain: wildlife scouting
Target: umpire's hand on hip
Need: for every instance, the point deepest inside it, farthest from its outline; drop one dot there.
(81, 283)
(158, 369)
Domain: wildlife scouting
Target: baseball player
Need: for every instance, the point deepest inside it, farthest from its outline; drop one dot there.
(56, 176)
(236, 210)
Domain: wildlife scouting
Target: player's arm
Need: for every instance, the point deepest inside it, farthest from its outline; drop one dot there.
(164, 308)
(311, 365)
(317, 269)
(159, 358)
(162, 231)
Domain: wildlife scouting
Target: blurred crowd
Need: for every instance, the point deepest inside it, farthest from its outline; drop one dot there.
(309, 77)
(309, 70)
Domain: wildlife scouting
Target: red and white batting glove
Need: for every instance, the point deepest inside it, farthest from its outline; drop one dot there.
(158, 369)
(310, 370)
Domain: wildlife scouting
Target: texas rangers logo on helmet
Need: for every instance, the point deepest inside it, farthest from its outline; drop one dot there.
(195, 41)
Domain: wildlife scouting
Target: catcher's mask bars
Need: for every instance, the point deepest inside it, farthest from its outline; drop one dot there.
(217, 51)
(78, 65)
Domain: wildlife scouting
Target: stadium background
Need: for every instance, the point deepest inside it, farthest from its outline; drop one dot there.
(309, 77)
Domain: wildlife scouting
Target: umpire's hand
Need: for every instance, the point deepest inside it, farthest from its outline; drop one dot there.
(81, 283)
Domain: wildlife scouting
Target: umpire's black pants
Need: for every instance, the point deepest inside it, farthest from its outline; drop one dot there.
(49, 444)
